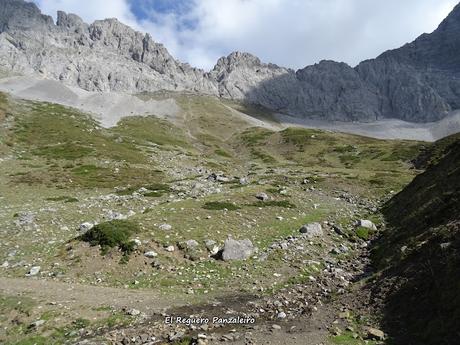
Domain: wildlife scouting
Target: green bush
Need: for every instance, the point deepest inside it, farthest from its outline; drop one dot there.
(362, 233)
(273, 203)
(115, 233)
(63, 198)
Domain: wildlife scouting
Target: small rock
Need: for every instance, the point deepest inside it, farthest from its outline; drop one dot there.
(243, 181)
(165, 227)
(150, 254)
(191, 244)
(133, 312)
(262, 196)
(37, 324)
(445, 245)
(170, 249)
(374, 333)
(212, 247)
(277, 327)
(85, 226)
(113, 215)
(281, 315)
(33, 271)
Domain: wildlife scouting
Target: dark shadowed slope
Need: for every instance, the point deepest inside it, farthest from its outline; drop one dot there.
(420, 255)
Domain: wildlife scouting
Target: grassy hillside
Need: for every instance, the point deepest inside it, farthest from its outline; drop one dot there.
(420, 254)
(60, 169)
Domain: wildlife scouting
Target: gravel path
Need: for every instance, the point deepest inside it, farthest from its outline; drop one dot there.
(77, 295)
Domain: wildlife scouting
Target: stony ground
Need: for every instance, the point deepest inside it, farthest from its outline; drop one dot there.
(213, 218)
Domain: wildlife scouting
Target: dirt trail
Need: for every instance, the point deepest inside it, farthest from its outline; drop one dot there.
(78, 295)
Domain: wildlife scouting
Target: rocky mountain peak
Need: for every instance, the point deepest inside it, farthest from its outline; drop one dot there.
(70, 21)
(22, 15)
(452, 21)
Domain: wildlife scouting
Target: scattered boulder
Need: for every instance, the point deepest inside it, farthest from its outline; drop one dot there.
(151, 254)
(445, 245)
(244, 181)
(170, 249)
(281, 315)
(222, 179)
(165, 227)
(367, 224)
(211, 246)
(237, 250)
(192, 250)
(312, 230)
(33, 271)
(218, 177)
(24, 219)
(191, 244)
(375, 334)
(133, 312)
(112, 215)
(262, 196)
(85, 226)
(37, 324)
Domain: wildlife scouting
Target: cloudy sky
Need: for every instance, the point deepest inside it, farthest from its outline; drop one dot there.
(291, 33)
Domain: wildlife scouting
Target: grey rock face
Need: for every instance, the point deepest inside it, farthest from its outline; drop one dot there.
(419, 82)
(243, 76)
(337, 90)
(17, 15)
(104, 56)
(237, 250)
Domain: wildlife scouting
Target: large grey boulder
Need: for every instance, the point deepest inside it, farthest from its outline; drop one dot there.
(311, 230)
(365, 223)
(237, 249)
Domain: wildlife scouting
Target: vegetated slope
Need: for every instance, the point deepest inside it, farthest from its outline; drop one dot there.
(420, 253)
(60, 171)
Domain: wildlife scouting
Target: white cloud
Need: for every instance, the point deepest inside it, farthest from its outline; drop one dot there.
(292, 33)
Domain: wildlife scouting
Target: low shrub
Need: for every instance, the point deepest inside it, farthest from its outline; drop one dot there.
(219, 205)
(115, 233)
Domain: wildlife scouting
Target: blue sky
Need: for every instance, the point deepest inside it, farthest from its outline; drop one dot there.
(142, 8)
(291, 33)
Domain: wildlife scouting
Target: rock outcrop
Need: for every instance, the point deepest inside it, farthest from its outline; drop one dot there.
(419, 82)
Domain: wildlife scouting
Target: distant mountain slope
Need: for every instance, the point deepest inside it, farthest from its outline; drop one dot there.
(420, 253)
(419, 82)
